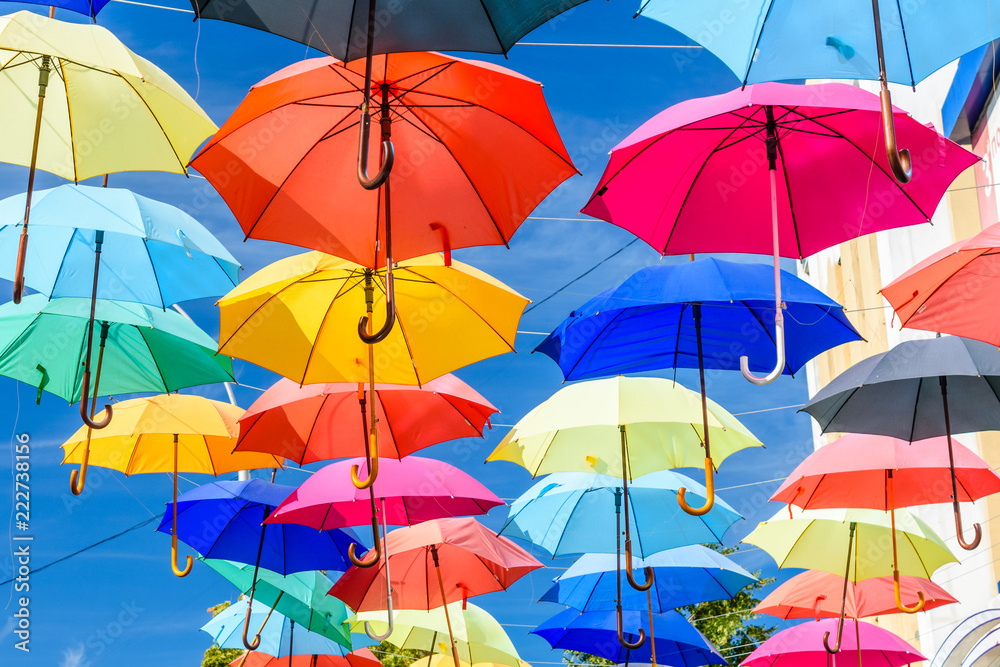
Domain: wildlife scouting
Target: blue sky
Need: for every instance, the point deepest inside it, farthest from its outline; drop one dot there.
(119, 603)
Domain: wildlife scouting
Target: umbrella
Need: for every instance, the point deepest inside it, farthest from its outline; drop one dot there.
(293, 317)
(676, 642)
(628, 426)
(809, 539)
(684, 315)
(775, 40)
(806, 596)
(280, 636)
(715, 151)
(683, 576)
(362, 657)
(168, 433)
(484, 154)
(42, 343)
(466, 558)
(479, 638)
(796, 647)
(952, 290)
(88, 7)
(108, 109)
(438, 660)
(336, 26)
(225, 520)
(306, 423)
(904, 393)
(300, 596)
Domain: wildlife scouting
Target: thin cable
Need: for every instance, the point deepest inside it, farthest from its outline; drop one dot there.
(149, 4)
(616, 46)
(590, 270)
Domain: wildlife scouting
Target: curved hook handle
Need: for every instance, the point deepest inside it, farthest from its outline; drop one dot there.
(899, 601)
(958, 532)
(388, 156)
(375, 551)
(381, 638)
(899, 160)
(251, 645)
(76, 484)
(22, 252)
(390, 312)
(779, 366)
(628, 571)
(372, 461)
(85, 403)
(173, 561)
(840, 636)
(621, 635)
(709, 488)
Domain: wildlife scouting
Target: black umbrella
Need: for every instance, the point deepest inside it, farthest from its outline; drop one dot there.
(919, 389)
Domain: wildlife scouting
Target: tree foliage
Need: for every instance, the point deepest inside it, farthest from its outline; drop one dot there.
(392, 656)
(581, 659)
(215, 656)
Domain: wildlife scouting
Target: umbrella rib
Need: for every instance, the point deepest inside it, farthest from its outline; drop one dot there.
(571, 497)
(156, 363)
(788, 191)
(388, 423)
(590, 347)
(69, 121)
(156, 278)
(756, 44)
(166, 137)
(766, 332)
(319, 331)
(916, 399)
(312, 428)
(406, 340)
(975, 255)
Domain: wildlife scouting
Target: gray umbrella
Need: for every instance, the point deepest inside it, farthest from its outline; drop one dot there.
(919, 389)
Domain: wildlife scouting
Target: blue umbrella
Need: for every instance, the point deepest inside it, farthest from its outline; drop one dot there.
(279, 636)
(88, 7)
(224, 520)
(674, 641)
(683, 576)
(575, 513)
(778, 40)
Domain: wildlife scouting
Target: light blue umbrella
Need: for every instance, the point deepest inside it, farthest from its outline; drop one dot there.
(683, 576)
(152, 253)
(279, 635)
(779, 40)
(575, 513)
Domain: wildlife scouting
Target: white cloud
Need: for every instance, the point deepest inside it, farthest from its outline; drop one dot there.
(8, 629)
(73, 657)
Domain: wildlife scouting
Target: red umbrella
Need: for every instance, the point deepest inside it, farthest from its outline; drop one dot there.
(309, 422)
(954, 290)
(360, 658)
(806, 595)
(879, 472)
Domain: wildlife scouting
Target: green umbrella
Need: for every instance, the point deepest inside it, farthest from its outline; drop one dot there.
(141, 348)
(300, 596)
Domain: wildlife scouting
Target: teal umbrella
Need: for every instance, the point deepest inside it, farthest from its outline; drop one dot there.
(300, 596)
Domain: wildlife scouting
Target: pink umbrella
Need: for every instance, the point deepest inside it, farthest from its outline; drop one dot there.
(802, 646)
(774, 169)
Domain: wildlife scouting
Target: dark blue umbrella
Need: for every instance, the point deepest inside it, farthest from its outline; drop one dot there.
(683, 576)
(88, 7)
(674, 641)
(702, 314)
(225, 520)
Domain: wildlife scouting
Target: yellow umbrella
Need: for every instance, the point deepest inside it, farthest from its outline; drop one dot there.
(169, 433)
(77, 103)
(297, 317)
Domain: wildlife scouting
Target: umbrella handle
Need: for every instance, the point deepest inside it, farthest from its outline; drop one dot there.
(85, 403)
(390, 312)
(22, 252)
(76, 484)
(372, 460)
(621, 635)
(779, 366)
(709, 488)
(388, 585)
(388, 156)
(899, 160)
(445, 241)
(173, 562)
(958, 532)
(376, 550)
(840, 635)
(628, 570)
(816, 609)
(899, 601)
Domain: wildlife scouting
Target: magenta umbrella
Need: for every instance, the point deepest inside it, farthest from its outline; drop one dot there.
(802, 646)
(778, 169)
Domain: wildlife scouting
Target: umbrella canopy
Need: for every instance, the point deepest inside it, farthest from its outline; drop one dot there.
(950, 291)
(802, 646)
(42, 343)
(963, 637)
(677, 641)
(411, 491)
(279, 635)
(106, 109)
(88, 7)
(298, 317)
(153, 253)
(479, 638)
(223, 520)
(574, 513)
(812, 539)
(648, 322)
(853, 471)
(442, 660)
(484, 154)
(683, 576)
(362, 657)
(473, 560)
(809, 595)
(579, 429)
(828, 168)
(299, 596)
(333, 26)
(307, 423)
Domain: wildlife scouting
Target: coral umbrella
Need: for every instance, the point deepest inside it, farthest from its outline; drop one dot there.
(362, 657)
(952, 291)
(879, 472)
(797, 647)
(814, 147)
(806, 595)
(307, 423)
